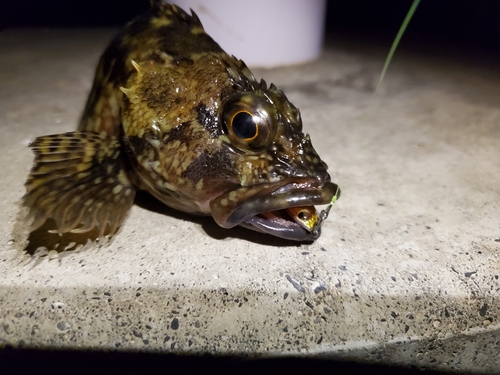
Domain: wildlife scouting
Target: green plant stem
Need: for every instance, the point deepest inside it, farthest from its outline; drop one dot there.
(401, 31)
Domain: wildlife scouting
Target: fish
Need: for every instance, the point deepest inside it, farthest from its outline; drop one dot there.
(174, 115)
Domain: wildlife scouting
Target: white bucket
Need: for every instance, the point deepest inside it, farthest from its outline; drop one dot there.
(264, 33)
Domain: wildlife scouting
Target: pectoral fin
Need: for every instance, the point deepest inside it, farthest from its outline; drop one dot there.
(80, 180)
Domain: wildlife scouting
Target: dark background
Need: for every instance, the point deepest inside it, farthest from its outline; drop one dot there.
(73, 362)
(471, 26)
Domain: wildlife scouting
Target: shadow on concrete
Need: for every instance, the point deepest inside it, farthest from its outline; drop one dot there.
(45, 239)
(150, 203)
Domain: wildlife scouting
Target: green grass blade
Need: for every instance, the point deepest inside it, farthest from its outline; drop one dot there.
(401, 31)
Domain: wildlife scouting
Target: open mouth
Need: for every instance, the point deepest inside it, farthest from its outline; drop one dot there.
(296, 223)
(286, 211)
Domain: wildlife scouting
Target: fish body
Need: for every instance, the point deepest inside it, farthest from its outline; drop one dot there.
(171, 113)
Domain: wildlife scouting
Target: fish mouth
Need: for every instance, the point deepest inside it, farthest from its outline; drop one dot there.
(284, 210)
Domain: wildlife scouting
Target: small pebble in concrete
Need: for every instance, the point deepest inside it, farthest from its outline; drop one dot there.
(63, 326)
(483, 310)
(319, 288)
(175, 324)
(295, 284)
(57, 305)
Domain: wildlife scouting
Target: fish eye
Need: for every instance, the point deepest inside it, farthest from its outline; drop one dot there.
(248, 122)
(244, 126)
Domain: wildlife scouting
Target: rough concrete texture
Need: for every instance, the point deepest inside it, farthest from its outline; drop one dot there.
(406, 271)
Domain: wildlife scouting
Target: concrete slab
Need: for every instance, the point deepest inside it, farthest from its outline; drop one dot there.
(406, 271)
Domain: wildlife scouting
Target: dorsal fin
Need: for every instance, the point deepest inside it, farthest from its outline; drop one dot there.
(160, 6)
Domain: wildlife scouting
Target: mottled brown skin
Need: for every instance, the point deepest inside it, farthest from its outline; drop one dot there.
(165, 115)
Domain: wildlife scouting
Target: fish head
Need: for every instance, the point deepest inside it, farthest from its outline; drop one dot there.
(216, 141)
(281, 175)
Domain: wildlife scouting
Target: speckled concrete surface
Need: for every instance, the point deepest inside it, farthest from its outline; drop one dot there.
(406, 271)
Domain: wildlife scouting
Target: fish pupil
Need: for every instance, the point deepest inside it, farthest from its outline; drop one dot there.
(244, 126)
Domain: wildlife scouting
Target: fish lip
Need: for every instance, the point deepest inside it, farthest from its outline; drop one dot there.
(269, 198)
